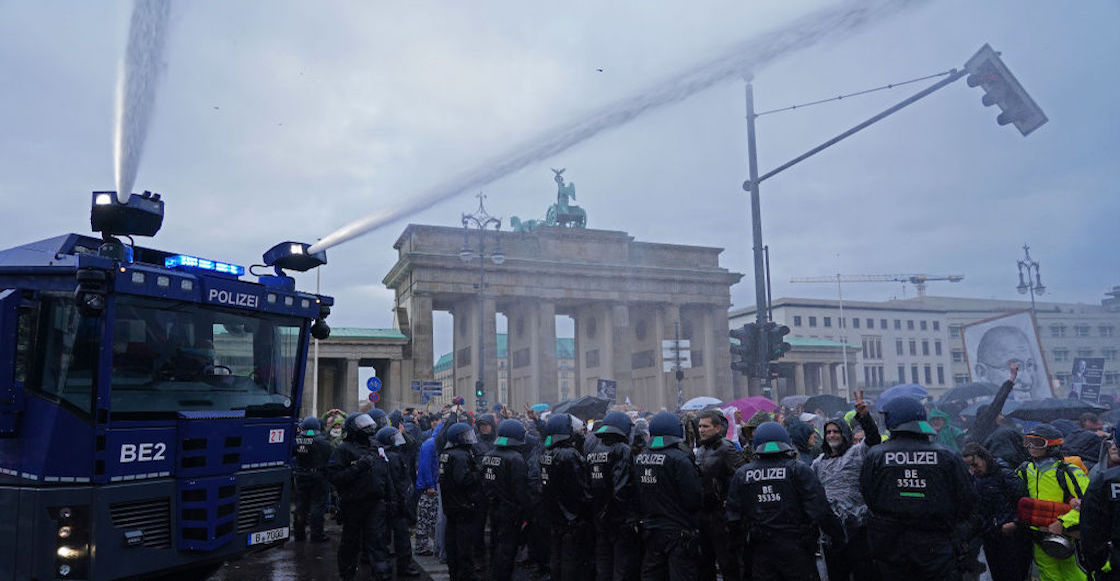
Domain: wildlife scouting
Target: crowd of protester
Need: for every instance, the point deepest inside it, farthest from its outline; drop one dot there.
(910, 491)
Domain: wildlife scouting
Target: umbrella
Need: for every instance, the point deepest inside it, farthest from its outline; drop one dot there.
(1051, 408)
(699, 403)
(587, 407)
(969, 391)
(827, 403)
(749, 406)
(792, 401)
(539, 407)
(903, 389)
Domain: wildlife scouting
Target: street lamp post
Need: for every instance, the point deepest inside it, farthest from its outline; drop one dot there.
(481, 220)
(1032, 283)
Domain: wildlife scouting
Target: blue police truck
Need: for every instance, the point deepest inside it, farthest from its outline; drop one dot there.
(148, 401)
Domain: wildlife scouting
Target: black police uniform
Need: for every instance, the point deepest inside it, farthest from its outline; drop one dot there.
(614, 505)
(920, 497)
(718, 459)
(566, 497)
(400, 514)
(1100, 525)
(360, 475)
(669, 497)
(461, 491)
(312, 453)
(505, 479)
(779, 504)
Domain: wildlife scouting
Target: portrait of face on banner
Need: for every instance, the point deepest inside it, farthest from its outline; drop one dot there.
(993, 343)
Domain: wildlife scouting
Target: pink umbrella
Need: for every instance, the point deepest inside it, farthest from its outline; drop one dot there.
(753, 404)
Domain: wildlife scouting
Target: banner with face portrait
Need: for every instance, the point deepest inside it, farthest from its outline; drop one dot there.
(1085, 378)
(990, 345)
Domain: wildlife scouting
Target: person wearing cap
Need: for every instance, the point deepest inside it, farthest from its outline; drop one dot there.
(312, 452)
(1059, 486)
(921, 499)
(505, 480)
(566, 496)
(613, 500)
(669, 499)
(777, 503)
(717, 459)
(359, 471)
(460, 489)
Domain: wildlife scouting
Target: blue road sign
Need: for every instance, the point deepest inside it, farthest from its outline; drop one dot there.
(374, 396)
(415, 385)
(374, 384)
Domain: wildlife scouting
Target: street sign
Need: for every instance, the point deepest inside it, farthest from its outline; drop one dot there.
(374, 384)
(416, 385)
(432, 388)
(374, 396)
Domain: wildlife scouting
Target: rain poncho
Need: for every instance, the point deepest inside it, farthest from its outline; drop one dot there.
(839, 474)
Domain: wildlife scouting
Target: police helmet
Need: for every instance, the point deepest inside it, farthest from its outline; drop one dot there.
(389, 437)
(510, 433)
(906, 414)
(666, 430)
(557, 429)
(358, 427)
(460, 434)
(1043, 436)
(310, 425)
(379, 417)
(771, 438)
(618, 423)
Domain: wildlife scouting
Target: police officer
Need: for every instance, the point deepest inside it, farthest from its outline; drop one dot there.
(614, 500)
(359, 472)
(920, 497)
(312, 454)
(460, 489)
(505, 479)
(1100, 525)
(566, 496)
(778, 503)
(669, 497)
(718, 460)
(392, 442)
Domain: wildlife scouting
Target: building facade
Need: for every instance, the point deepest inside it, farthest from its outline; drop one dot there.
(919, 340)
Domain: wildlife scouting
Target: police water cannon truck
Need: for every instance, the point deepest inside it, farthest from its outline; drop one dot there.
(148, 401)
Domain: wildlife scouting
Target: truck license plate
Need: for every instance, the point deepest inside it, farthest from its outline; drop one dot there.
(269, 536)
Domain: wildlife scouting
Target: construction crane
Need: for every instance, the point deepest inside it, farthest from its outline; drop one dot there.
(918, 280)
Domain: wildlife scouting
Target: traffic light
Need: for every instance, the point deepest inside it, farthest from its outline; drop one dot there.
(478, 391)
(986, 70)
(746, 350)
(776, 345)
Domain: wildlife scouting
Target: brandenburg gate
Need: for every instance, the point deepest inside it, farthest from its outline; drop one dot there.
(625, 297)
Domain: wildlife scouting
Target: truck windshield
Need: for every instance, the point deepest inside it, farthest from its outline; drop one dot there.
(170, 356)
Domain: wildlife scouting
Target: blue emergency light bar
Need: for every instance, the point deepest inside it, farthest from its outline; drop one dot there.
(184, 261)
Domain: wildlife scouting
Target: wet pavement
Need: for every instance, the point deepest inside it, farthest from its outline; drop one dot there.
(306, 561)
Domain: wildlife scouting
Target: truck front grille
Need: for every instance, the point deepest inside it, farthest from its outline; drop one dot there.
(152, 516)
(253, 499)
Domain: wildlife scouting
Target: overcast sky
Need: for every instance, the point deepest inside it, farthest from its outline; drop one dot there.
(287, 120)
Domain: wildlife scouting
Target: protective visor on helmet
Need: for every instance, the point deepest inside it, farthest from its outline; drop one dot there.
(1038, 442)
(468, 437)
(363, 421)
(398, 439)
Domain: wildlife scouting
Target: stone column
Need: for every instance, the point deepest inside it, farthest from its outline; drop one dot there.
(620, 350)
(833, 383)
(847, 392)
(799, 378)
(349, 388)
(420, 336)
(544, 353)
